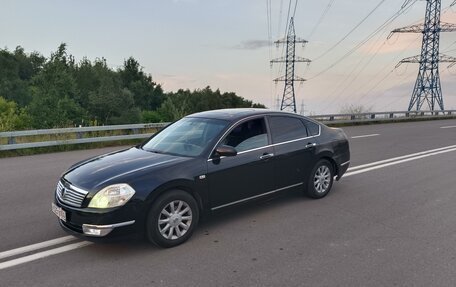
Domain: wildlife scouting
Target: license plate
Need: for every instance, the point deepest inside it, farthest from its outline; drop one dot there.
(59, 212)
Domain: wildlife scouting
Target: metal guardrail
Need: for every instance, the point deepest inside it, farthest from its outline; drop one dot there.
(381, 116)
(79, 132)
(135, 129)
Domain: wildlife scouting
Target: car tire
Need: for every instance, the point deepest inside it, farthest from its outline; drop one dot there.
(320, 180)
(172, 219)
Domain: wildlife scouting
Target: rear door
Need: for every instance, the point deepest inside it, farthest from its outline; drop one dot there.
(294, 150)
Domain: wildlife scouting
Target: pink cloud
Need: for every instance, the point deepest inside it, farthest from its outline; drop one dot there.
(397, 43)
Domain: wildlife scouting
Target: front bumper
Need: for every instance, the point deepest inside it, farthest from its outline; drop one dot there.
(103, 230)
(100, 223)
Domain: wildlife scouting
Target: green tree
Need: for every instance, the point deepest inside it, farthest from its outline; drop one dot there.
(112, 104)
(11, 117)
(151, 117)
(146, 93)
(53, 92)
(173, 108)
(16, 70)
(184, 102)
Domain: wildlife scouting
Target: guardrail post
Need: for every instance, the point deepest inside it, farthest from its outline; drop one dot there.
(11, 140)
(331, 118)
(391, 115)
(407, 115)
(135, 131)
(422, 113)
(352, 117)
(79, 135)
(373, 116)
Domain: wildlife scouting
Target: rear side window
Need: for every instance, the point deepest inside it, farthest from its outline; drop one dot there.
(286, 129)
(312, 128)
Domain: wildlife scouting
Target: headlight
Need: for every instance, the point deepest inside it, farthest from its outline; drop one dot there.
(112, 196)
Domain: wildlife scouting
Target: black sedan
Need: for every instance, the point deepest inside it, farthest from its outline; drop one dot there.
(200, 164)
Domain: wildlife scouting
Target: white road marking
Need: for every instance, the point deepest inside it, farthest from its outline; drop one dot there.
(399, 158)
(365, 136)
(397, 162)
(36, 246)
(43, 254)
(448, 127)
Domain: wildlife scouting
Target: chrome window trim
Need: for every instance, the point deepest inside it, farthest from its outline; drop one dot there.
(231, 128)
(271, 145)
(256, 196)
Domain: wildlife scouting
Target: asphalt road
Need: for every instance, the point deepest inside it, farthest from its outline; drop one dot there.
(391, 225)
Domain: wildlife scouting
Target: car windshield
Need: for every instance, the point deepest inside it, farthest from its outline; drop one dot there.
(186, 137)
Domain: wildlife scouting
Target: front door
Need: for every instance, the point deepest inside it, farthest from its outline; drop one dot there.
(247, 175)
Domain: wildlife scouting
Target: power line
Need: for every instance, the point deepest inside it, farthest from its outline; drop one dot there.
(320, 20)
(280, 19)
(294, 12)
(359, 45)
(350, 32)
(389, 65)
(288, 17)
(376, 76)
(268, 20)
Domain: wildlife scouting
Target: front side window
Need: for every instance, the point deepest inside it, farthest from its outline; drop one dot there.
(286, 128)
(186, 137)
(247, 135)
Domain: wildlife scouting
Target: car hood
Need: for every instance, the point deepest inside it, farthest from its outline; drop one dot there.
(110, 168)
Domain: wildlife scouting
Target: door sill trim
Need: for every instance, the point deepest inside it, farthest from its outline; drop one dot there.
(256, 196)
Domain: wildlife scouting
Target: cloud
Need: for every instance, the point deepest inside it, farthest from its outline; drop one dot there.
(397, 43)
(252, 45)
(449, 17)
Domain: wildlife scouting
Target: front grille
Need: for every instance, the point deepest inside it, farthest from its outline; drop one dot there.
(70, 195)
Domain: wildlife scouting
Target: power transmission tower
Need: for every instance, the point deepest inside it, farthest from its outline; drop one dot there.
(288, 98)
(427, 86)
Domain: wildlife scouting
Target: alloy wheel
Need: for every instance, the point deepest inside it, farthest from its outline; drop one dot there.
(175, 219)
(322, 179)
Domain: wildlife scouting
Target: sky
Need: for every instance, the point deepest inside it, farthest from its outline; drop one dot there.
(225, 44)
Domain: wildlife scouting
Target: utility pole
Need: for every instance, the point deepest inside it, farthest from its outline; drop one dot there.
(302, 110)
(288, 99)
(427, 86)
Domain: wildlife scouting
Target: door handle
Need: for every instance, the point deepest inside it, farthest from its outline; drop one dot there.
(309, 145)
(266, 156)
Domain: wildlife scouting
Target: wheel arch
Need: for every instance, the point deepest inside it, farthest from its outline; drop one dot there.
(182, 184)
(329, 156)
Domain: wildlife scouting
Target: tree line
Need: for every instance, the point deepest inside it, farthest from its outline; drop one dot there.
(38, 92)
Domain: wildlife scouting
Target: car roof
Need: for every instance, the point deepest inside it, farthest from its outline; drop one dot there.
(237, 114)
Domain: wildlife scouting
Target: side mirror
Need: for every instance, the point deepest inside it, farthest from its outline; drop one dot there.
(225, 150)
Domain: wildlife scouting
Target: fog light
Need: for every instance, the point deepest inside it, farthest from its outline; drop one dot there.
(93, 230)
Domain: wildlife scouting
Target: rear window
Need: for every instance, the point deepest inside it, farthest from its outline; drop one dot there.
(286, 128)
(312, 127)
